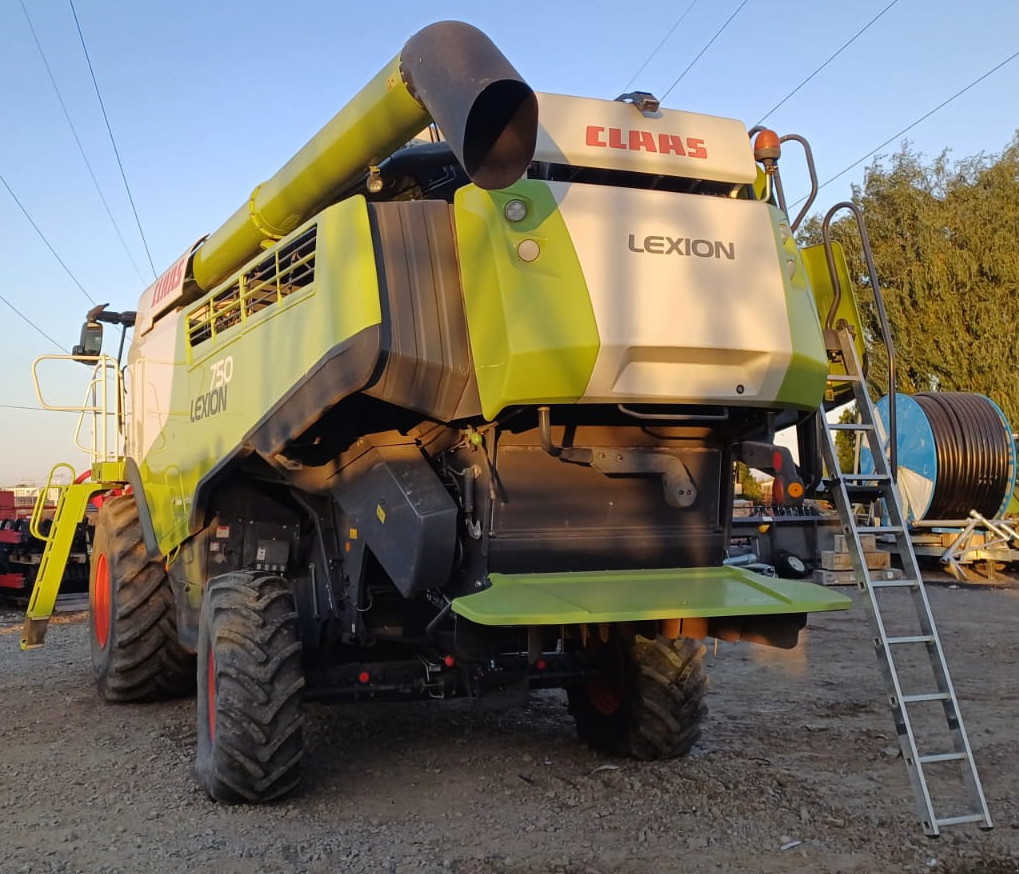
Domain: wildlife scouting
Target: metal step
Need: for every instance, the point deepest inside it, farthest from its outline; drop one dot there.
(926, 696)
(942, 757)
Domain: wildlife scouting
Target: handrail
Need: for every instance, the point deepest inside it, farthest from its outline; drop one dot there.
(883, 325)
(812, 196)
(775, 177)
(98, 406)
(35, 523)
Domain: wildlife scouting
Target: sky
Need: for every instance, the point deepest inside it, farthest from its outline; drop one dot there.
(208, 98)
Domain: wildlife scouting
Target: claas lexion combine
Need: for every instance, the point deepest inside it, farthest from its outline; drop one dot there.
(450, 407)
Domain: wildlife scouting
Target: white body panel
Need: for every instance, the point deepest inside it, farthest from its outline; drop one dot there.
(687, 293)
(150, 378)
(164, 293)
(611, 135)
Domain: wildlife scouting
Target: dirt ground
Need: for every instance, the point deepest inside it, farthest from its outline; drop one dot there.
(797, 771)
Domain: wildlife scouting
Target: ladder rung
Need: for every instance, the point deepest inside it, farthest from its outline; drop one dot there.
(892, 584)
(912, 638)
(961, 820)
(941, 757)
(879, 529)
(850, 426)
(866, 477)
(926, 696)
(843, 377)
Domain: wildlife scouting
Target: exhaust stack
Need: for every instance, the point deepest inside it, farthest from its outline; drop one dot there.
(448, 73)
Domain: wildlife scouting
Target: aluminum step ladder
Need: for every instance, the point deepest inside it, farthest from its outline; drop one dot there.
(920, 692)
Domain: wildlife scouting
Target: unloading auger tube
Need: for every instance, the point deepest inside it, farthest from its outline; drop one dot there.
(448, 73)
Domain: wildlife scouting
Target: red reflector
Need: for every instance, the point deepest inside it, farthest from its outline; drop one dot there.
(540, 664)
(364, 677)
(449, 661)
(776, 460)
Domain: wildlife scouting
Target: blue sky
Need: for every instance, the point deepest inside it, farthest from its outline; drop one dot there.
(207, 99)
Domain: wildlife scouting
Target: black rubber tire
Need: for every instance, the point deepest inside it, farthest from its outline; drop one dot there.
(660, 687)
(790, 566)
(133, 626)
(250, 739)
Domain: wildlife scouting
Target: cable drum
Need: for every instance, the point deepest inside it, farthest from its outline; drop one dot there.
(955, 454)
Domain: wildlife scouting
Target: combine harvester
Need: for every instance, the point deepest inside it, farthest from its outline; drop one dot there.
(449, 407)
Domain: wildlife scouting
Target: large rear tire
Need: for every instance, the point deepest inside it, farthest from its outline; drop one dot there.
(649, 702)
(132, 615)
(249, 689)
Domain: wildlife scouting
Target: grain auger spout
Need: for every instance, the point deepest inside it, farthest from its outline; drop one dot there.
(448, 73)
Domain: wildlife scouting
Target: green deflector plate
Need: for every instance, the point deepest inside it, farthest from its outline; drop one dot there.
(628, 596)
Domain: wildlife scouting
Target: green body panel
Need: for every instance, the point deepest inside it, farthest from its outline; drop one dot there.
(631, 596)
(532, 328)
(804, 382)
(824, 293)
(380, 118)
(269, 351)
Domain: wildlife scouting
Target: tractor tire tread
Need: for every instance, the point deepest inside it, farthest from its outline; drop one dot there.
(663, 701)
(253, 631)
(145, 661)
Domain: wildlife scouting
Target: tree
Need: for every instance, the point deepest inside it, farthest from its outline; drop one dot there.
(845, 441)
(752, 490)
(947, 254)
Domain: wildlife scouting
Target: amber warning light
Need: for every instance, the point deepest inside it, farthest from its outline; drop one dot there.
(767, 149)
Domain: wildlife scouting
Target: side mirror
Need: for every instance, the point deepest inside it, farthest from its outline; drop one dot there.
(90, 344)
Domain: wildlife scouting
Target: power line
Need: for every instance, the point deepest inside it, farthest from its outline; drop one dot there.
(658, 48)
(923, 117)
(42, 236)
(718, 33)
(74, 133)
(31, 409)
(21, 315)
(113, 142)
(826, 63)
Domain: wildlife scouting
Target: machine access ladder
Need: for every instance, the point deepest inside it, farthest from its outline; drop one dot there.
(99, 435)
(924, 706)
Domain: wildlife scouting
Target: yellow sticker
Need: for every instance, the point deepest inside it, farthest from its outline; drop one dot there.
(353, 534)
(380, 513)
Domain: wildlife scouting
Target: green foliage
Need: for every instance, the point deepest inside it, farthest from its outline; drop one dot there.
(751, 488)
(946, 247)
(845, 441)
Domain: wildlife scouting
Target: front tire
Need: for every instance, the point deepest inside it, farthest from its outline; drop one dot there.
(249, 689)
(132, 615)
(649, 702)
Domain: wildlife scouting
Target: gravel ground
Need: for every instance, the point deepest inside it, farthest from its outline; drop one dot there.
(797, 771)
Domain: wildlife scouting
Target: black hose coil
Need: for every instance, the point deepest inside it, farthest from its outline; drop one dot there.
(973, 448)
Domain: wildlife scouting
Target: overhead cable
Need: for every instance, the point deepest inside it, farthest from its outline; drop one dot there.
(923, 117)
(42, 237)
(21, 315)
(718, 33)
(658, 48)
(844, 46)
(113, 141)
(81, 148)
(31, 409)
